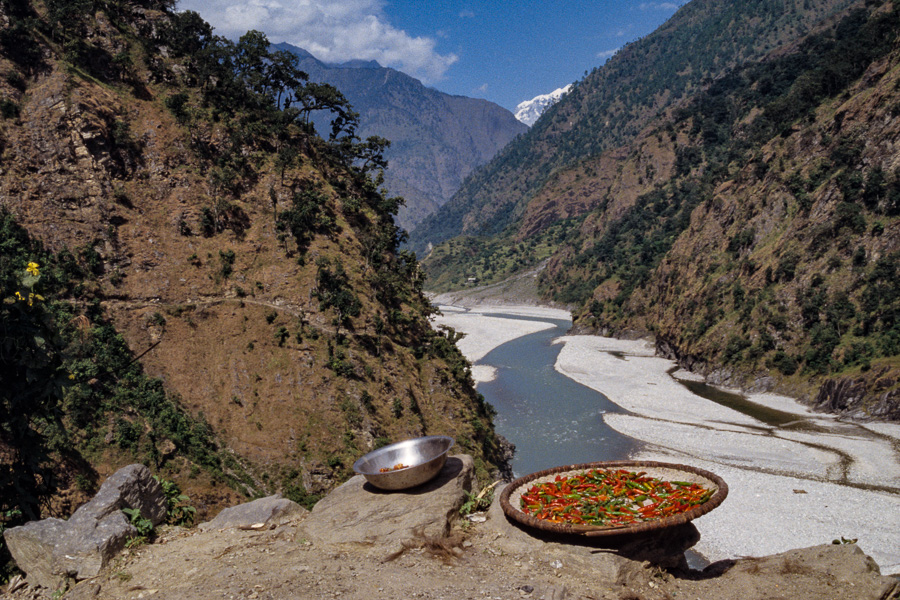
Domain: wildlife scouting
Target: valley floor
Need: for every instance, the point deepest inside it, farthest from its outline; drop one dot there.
(799, 482)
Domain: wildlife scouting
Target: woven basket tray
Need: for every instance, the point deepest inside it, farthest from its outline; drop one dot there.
(509, 499)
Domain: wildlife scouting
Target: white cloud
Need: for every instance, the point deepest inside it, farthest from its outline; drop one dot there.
(481, 89)
(332, 30)
(607, 53)
(658, 5)
(466, 14)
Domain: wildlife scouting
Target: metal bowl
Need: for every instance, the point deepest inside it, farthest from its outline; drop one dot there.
(423, 458)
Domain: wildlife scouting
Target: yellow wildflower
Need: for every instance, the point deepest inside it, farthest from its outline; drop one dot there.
(19, 296)
(33, 268)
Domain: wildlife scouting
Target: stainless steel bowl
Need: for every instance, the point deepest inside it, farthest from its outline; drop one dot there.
(424, 457)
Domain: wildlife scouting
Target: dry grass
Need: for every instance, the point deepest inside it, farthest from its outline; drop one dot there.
(446, 548)
(792, 566)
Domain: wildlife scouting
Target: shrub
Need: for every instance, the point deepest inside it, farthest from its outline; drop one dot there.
(9, 109)
(127, 434)
(787, 365)
(178, 512)
(177, 105)
(226, 259)
(734, 347)
(143, 525)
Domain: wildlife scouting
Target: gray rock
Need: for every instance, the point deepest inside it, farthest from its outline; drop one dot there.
(35, 548)
(357, 512)
(129, 487)
(52, 550)
(762, 384)
(272, 510)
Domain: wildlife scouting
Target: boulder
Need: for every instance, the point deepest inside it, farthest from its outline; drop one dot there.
(261, 513)
(51, 550)
(129, 487)
(358, 512)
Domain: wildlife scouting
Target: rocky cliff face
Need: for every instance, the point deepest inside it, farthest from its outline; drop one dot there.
(255, 270)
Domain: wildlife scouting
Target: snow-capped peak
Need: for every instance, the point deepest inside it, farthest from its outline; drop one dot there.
(529, 111)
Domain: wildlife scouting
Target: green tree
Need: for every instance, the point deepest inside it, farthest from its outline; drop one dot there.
(307, 215)
(31, 369)
(334, 291)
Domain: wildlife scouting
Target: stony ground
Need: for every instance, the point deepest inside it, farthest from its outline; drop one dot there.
(362, 543)
(481, 560)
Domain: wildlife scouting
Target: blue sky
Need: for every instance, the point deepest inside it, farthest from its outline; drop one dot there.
(505, 52)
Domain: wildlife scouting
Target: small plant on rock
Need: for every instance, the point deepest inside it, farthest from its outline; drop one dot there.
(143, 525)
(478, 502)
(178, 512)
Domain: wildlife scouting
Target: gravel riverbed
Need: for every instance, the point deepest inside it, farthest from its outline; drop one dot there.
(794, 485)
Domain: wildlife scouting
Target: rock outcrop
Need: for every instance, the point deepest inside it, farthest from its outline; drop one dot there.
(259, 514)
(358, 512)
(52, 550)
(347, 547)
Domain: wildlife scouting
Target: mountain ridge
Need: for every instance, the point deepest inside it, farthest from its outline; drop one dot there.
(635, 239)
(197, 280)
(614, 102)
(436, 138)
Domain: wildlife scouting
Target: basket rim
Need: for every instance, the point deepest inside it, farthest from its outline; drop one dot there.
(595, 530)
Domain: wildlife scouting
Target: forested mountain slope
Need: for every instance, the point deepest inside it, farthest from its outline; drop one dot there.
(771, 255)
(752, 229)
(613, 103)
(436, 139)
(190, 278)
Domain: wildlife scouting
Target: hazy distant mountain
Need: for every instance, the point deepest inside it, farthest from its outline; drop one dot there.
(436, 139)
(528, 111)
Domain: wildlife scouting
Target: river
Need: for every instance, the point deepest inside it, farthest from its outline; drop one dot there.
(551, 419)
(792, 473)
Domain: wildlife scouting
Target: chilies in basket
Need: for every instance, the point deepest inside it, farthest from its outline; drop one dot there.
(610, 498)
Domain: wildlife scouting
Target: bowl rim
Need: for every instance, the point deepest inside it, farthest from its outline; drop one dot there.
(407, 442)
(512, 512)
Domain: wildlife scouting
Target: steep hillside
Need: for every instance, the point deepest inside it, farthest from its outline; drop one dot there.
(613, 103)
(190, 277)
(752, 228)
(769, 257)
(436, 139)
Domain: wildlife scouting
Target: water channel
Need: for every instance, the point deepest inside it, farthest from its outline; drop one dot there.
(551, 419)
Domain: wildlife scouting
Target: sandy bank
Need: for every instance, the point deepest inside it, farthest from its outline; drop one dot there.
(485, 330)
(793, 486)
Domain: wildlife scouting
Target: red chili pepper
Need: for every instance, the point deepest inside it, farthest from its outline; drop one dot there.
(603, 497)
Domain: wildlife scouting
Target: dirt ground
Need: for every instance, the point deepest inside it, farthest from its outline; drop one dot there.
(472, 563)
